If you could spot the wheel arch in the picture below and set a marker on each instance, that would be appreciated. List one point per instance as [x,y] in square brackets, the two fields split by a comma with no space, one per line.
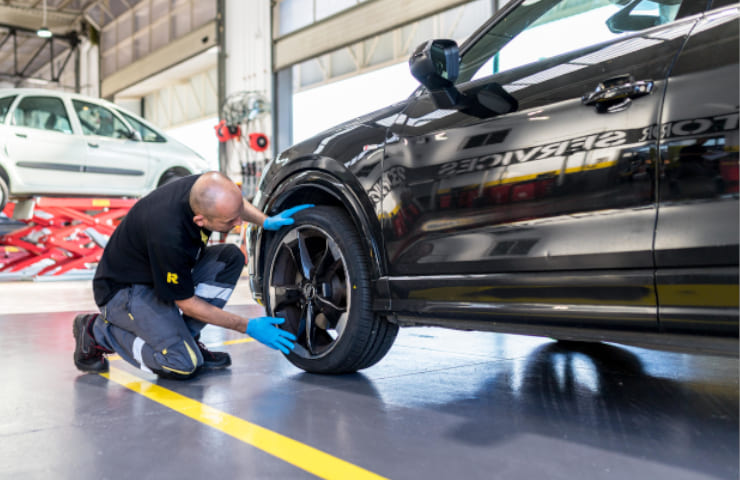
[323,188]
[4,175]
[176,171]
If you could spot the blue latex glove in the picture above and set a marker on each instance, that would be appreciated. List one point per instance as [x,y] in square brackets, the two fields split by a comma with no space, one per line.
[283,218]
[263,329]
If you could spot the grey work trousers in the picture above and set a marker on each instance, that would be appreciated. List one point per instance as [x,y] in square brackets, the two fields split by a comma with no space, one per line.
[154,335]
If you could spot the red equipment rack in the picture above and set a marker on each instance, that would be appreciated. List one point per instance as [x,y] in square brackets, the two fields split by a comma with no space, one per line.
[63,235]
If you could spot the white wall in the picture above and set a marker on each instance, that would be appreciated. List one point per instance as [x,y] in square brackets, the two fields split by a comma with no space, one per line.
[248,62]
[201,137]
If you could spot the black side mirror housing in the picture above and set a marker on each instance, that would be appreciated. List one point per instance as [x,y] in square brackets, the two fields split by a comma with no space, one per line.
[625,21]
[436,65]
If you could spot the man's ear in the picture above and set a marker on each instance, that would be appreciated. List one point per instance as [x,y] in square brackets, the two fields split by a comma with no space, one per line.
[199,220]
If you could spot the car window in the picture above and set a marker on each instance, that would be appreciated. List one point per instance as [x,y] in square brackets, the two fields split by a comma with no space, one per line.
[147,134]
[541,29]
[98,120]
[45,113]
[5,103]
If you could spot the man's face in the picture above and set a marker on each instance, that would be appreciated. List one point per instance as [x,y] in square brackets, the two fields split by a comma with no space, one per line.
[223,225]
[223,219]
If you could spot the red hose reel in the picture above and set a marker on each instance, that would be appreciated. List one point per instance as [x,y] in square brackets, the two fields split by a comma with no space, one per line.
[257,141]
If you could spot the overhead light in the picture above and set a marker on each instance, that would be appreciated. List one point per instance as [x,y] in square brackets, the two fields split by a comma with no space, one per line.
[44,32]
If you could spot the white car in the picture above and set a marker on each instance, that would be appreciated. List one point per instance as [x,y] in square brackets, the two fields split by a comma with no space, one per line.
[58,143]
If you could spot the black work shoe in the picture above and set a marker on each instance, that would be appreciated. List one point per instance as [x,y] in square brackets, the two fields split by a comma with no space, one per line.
[88,354]
[213,359]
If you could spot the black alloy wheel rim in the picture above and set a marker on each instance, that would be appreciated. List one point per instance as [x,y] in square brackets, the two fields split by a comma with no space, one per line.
[309,287]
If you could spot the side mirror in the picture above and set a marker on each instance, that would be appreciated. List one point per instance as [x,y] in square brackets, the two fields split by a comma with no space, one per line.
[625,21]
[436,65]
[130,134]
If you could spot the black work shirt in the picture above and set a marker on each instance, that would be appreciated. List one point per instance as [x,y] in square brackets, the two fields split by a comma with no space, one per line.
[156,244]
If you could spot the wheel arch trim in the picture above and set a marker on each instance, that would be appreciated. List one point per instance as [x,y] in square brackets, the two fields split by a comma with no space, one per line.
[368,226]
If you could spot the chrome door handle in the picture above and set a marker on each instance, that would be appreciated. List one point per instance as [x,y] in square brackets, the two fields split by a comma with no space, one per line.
[616,94]
[93,145]
[21,135]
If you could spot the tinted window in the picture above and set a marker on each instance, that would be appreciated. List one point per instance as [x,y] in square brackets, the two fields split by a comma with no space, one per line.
[147,134]
[98,120]
[45,113]
[5,106]
[541,29]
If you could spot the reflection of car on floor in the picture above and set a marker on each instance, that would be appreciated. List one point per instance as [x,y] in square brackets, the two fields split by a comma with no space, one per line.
[56,143]
[581,187]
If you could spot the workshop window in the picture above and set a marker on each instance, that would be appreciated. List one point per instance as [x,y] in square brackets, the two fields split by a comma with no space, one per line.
[293,15]
[44,113]
[149,25]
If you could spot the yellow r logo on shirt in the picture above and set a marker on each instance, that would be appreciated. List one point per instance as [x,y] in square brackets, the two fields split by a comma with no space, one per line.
[172,278]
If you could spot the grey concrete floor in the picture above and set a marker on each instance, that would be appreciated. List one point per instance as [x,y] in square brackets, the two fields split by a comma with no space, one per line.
[441,405]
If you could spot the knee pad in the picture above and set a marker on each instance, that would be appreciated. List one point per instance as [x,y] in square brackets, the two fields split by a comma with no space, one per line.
[178,358]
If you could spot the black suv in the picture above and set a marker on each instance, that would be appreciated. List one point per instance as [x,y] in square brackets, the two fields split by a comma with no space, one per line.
[571,171]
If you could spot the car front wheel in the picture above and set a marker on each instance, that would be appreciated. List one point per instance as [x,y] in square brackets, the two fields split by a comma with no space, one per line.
[317,278]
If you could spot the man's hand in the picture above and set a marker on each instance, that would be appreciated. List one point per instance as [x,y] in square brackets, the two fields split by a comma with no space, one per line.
[283,218]
[263,329]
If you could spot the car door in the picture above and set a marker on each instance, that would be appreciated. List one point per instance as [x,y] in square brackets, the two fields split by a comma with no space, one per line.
[42,149]
[546,213]
[117,162]
[696,243]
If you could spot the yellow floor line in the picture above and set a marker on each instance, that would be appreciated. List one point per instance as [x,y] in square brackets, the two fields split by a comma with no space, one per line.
[291,451]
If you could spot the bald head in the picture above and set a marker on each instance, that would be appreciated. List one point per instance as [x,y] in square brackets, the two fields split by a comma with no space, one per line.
[216,202]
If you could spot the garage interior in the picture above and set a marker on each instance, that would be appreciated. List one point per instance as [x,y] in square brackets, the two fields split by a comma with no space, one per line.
[442,404]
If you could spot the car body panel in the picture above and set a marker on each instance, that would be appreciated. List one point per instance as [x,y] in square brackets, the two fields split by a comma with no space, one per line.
[696,242]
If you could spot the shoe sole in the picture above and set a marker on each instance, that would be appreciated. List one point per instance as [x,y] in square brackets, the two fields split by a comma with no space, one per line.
[214,366]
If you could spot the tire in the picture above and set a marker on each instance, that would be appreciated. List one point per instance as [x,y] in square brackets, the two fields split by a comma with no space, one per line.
[310,267]
[4,192]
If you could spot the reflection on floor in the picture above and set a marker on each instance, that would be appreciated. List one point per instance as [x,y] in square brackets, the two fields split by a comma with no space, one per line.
[441,405]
